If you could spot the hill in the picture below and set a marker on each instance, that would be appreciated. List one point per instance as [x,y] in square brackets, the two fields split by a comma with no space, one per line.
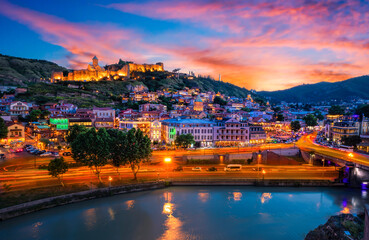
[357,87]
[20,71]
[16,71]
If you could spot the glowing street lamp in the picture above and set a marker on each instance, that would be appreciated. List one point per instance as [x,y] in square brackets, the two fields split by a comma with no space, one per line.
[263,174]
[351,155]
[110,179]
[167,160]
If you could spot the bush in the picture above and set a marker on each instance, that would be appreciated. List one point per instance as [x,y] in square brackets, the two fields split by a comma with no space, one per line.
[202,161]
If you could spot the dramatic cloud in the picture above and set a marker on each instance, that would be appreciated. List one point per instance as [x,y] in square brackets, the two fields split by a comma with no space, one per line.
[258,44]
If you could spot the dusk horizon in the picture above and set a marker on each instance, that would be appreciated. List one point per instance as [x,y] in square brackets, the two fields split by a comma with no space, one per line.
[261,45]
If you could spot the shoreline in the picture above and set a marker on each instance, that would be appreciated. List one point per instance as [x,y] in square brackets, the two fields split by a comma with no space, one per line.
[50,202]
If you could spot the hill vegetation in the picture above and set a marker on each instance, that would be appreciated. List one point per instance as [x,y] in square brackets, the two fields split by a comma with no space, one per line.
[357,87]
[16,71]
[23,72]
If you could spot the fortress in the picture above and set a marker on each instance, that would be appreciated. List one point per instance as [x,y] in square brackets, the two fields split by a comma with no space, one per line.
[95,73]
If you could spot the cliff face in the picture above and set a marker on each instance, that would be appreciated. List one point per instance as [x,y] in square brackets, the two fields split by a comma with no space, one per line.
[341,227]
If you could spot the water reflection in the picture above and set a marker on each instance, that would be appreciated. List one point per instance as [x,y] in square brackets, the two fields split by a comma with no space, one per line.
[111,213]
[36,229]
[130,204]
[173,225]
[265,197]
[236,196]
[204,197]
[90,217]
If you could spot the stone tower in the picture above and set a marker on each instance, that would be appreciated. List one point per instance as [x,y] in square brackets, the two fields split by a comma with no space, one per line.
[95,62]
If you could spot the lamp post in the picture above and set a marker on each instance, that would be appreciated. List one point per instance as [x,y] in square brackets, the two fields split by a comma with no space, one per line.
[263,174]
[110,179]
[167,160]
[258,161]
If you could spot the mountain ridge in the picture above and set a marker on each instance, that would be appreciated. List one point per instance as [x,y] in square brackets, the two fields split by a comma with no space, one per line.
[357,87]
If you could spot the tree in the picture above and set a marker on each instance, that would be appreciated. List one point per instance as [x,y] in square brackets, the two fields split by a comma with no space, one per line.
[351,140]
[184,140]
[118,145]
[138,150]
[57,167]
[319,115]
[34,115]
[363,110]
[45,114]
[295,126]
[280,117]
[336,110]
[310,120]
[220,101]
[3,129]
[74,132]
[92,149]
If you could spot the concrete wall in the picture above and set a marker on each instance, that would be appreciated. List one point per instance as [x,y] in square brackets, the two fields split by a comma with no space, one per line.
[288,152]
[366,226]
[240,156]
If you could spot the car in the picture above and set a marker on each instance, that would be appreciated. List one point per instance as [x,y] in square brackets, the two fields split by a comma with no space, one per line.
[40,152]
[67,153]
[55,154]
[178,169]
[45,154]
[19,150]
[196,169]
[212,169]
[2,156]
[6,146]
[257,169]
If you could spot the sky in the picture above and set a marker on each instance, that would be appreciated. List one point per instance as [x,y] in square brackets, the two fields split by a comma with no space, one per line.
[257,44]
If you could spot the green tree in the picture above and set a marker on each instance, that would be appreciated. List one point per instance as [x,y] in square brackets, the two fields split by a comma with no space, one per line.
[319,115]
[118,147]
[351,140]
[92,149]
[336,110]
[74,131]
[295,126]
[363,110]
[57,167]
[220,101]
[310,120]
[138,150]
[34,115]
[45,114]
[280,117]
[184,140]
[3,129]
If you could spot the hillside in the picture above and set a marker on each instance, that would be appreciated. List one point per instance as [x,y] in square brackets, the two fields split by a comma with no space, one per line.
[16,71]
[20,71]
[357,87]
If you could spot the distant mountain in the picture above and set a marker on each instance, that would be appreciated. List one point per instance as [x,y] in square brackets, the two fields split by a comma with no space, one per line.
[357,87]
[20,71]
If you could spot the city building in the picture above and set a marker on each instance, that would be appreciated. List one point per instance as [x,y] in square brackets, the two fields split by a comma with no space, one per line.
[19,109]
[231,133]
[202,130]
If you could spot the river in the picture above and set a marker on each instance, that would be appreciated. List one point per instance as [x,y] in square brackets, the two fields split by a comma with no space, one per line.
[227,212]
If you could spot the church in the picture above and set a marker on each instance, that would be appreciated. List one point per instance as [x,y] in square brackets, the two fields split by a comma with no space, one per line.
[95,73]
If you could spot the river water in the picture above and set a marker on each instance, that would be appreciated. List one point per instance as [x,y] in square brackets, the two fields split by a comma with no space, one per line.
[229,212]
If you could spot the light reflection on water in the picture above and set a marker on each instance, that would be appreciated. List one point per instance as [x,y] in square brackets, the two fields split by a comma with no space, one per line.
[191,213]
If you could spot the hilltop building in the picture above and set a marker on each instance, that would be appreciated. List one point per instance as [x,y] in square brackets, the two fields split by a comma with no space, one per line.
[95,73]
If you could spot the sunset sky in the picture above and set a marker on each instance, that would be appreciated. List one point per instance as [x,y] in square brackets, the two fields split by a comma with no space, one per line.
[262,45]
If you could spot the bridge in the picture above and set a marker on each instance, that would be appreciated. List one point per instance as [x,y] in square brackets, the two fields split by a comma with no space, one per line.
[355,165]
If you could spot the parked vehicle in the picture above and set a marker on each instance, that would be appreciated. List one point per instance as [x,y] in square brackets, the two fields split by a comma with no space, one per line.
[67,153]
[46,154]
[233,167]
[55,154]
[196,169]
[178,169]
[2,156]
[212,169]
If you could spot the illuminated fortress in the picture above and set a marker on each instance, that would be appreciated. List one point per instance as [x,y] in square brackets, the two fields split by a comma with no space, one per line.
[95,73]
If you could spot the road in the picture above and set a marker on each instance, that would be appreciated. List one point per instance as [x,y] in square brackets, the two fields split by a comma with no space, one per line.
[306,143]
[19,169]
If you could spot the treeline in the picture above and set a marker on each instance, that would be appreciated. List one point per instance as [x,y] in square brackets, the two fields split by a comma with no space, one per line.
[97,148]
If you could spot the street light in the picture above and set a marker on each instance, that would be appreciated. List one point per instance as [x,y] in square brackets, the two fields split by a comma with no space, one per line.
[351,155]
[263,174]
[167,160]
[110,179]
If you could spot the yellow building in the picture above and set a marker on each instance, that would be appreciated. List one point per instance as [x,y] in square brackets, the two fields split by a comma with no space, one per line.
[198,104]
[95,73]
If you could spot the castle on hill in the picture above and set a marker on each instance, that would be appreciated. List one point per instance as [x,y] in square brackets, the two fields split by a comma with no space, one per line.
[95,73]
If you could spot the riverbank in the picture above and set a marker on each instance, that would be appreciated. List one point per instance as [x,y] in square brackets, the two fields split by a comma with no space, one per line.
[49,202]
